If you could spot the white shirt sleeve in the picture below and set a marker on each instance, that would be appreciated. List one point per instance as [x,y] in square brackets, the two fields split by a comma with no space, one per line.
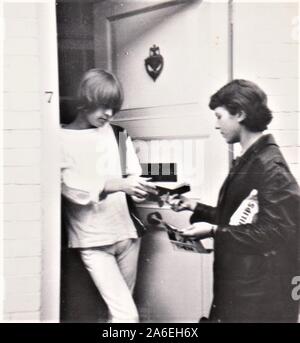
[133,166]
[72,185]
[83,183]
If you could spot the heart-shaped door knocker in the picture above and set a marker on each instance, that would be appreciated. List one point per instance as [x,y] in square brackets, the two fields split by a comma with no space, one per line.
[154,63]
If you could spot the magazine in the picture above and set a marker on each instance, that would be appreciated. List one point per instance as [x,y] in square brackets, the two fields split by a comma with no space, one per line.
[168,188]
[172,187]
[181,243]
[178,241]
[247,211]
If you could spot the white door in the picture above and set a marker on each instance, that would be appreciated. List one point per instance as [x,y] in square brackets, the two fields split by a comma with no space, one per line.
[170,118]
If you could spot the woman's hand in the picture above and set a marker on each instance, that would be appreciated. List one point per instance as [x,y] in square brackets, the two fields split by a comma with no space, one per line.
[198,231]
[180,203]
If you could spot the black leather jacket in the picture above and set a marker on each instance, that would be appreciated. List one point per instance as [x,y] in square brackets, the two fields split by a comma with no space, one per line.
[255,263]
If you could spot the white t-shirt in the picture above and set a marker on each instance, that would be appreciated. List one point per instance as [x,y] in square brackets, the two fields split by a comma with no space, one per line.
[89,158]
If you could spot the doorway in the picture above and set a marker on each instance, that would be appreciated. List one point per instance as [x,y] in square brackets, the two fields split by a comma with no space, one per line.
[173,107]
[79,301]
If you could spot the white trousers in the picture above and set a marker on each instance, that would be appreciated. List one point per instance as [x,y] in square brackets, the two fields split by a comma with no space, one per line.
[113,269]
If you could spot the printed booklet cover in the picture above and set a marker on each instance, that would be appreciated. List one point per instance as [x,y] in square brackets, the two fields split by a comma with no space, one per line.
[181,243]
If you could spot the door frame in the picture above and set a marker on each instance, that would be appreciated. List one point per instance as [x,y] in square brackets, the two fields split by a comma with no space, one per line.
[50,164]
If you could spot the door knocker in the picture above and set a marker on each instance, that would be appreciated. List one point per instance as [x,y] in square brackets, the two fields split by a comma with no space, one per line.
[154,62]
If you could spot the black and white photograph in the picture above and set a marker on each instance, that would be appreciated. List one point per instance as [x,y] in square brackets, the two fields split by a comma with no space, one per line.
[150,162]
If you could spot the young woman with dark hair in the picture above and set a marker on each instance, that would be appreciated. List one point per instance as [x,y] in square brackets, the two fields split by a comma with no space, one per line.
[255,259]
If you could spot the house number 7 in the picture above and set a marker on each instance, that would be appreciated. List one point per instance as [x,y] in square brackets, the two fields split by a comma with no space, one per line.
[50,95]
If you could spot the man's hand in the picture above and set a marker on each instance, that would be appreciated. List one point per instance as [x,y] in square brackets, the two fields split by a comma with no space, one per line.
[138,187]
[138,200]
[135,186]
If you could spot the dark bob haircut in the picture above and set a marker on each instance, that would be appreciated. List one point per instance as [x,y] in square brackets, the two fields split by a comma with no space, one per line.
[242,95]
[99,88]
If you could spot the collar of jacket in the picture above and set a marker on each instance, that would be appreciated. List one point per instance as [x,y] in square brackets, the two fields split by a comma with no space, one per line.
[239,162]
[255,148]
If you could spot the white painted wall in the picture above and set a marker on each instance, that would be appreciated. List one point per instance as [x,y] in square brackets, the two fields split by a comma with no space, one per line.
[22,156]
[29,169]
[266,51]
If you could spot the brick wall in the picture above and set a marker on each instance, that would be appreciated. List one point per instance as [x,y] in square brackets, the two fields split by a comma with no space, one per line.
[266,51]
[21,158]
